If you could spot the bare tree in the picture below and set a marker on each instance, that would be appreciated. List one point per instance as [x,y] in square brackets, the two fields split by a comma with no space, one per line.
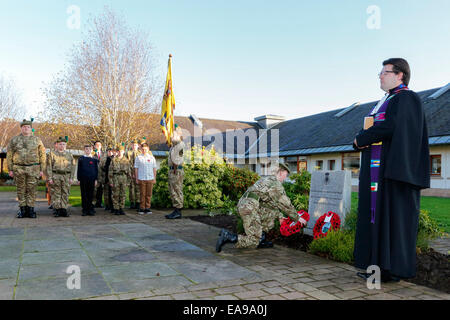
[108,86]
[11,110]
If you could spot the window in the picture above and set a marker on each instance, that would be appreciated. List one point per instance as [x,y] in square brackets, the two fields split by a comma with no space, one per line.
[331,165]
[350,161]
[302,165]
[435,161]
[319,164]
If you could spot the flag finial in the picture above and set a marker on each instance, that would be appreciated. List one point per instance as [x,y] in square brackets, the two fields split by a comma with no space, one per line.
[170,55]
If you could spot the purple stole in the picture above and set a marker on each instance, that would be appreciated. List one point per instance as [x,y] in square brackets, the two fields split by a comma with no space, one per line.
[375,156]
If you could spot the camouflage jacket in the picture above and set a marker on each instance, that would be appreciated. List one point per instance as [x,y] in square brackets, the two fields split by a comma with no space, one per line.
[26,150]
[270,193]
[176,153]
[131,156]
[102,170]
[60,163]
[119,166]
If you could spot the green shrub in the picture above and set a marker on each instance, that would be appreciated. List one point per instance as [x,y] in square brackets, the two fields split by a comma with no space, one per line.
[350,220]
[337,245]
[5,176]
[428,230]
[202,171]
[298,189]
[235,181]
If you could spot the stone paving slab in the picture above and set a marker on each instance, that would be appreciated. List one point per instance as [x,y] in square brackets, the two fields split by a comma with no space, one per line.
[150,257]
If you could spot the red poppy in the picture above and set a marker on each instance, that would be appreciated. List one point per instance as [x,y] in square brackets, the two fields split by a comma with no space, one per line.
[318,231]
[287,230]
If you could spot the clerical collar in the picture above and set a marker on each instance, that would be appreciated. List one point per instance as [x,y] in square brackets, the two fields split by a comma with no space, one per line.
[398,88]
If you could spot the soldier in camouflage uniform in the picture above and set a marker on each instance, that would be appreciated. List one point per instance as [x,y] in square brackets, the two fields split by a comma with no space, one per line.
[119,175]
[134,193]
[60,173]
[176,173]
[259,206]
[26,163]
[103,169]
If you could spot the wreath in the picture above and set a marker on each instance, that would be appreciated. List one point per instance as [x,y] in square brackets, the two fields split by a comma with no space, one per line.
[289,227]
[325,223]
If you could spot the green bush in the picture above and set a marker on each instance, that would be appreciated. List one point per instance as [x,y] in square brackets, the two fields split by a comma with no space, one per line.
[428,230]
[235,181]
[350,221]
[203,170]
[5,175]
[298,189]
[337,245]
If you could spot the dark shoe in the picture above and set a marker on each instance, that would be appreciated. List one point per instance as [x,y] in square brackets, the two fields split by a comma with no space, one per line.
[386,276]
[65,213]
[224,237]
[132,205]
[56,212]
[176,214]
[98,205]
[265,244]
[84,213]
[141,211]
[363,275]
[91,212]
[32,214]
[116,212]
[22,213]
[51,207]
[121,212]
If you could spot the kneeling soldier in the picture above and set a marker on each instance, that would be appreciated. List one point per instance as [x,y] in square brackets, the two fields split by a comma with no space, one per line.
[60,171]
[118,176]
[259,206]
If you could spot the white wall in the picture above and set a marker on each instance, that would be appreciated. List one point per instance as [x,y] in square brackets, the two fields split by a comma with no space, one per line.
[442,182]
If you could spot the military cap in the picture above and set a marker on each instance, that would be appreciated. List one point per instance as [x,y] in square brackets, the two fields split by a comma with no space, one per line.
[176,126]
[61,139]
[121,147]
[26,122]
[284,166]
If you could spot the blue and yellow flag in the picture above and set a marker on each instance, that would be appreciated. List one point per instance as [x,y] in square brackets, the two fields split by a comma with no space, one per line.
[168,106]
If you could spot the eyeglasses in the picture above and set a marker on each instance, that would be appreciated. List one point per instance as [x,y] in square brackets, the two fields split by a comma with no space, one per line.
[384,72]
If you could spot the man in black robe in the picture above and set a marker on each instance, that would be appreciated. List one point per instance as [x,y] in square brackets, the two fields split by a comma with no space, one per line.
[386,237]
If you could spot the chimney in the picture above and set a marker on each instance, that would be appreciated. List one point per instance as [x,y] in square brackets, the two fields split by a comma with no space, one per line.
[269,120]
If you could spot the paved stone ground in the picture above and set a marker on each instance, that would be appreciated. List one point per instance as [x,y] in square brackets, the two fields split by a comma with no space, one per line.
[150,257]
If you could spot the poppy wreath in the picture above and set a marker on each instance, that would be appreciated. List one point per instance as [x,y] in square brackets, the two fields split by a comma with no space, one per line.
[321,228]
[287,230]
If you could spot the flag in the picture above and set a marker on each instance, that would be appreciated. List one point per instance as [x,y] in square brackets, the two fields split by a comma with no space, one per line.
[168,106]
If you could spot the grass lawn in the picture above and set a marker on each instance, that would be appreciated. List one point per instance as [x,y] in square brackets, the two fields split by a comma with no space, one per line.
[439,209]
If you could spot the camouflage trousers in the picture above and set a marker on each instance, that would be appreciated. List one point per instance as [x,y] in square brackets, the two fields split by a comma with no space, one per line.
[176,187]
[256,218]
[26,179]
[106,195]
[134,192]
[119,191]
[59,191]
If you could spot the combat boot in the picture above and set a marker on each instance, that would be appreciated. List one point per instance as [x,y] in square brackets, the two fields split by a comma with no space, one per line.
[121,212]
[116,212]
[263,243]
[224,237]
[64,212]
[22,213]
[31,214]
[132,205]
[56,212]
[176,214]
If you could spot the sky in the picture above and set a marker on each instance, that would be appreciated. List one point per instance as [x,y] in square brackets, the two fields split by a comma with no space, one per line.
[237,60]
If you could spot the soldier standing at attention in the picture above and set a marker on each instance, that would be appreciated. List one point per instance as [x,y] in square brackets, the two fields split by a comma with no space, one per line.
[47,186]
[98,189]
[60,170]
[134,194]
[176,173]
[87,175]
[258,207]
[26,164]
[118,175]
[103,170]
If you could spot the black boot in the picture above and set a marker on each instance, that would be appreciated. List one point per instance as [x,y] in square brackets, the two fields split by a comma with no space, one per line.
[22,213]
[176,214]
[263,243]
[65,213]
[121,212]
[31,213]
[116,212]
[224,237]
[56,212]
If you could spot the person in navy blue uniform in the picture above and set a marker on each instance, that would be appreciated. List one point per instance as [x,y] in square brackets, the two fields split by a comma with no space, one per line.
[87,174]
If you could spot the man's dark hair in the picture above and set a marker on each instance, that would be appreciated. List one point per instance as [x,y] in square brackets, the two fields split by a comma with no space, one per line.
[145,144]
[400,65]
[96,142]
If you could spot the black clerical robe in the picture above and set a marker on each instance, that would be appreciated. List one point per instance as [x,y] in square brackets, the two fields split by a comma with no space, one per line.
[390,242]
